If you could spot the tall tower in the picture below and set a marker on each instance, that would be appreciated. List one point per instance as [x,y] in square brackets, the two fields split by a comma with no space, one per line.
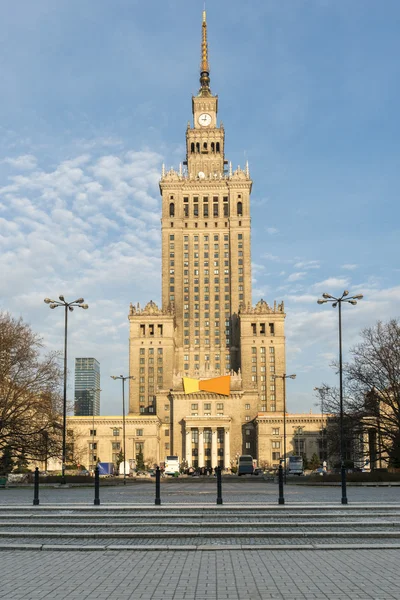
[206,326]
[87,387]
[206,262]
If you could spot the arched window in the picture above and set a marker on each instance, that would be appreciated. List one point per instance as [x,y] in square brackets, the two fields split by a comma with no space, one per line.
[239,209]
[192,147]
[172,209]
[197,147]
[205,146]
[217,146]
[212,147]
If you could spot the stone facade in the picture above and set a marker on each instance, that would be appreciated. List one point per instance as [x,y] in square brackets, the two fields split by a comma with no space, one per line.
[206,326]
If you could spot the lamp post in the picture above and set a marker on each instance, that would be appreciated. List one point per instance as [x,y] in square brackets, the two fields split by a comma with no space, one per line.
[93,391]
[80,303]
[322,391]
[123,379]
[284,377]
[338,302]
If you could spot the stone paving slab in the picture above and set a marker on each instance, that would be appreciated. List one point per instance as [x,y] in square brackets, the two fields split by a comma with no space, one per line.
[209,575]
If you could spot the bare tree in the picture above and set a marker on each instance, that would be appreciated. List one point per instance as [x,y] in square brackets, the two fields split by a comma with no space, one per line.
[373,380]
[30,399]
[371,393]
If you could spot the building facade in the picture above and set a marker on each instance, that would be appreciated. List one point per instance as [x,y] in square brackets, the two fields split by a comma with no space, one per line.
[206,326]
[87,387]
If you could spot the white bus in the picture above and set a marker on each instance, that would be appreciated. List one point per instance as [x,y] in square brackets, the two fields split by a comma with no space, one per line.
[171,465]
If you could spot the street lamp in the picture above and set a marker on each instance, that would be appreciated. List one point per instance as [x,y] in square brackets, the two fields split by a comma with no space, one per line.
[284,377]
[338,302]
[123,379]
[93,391]
[322,391]
[80,303]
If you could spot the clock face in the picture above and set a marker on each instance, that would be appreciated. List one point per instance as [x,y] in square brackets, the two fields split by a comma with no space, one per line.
[201,175]
[205,119]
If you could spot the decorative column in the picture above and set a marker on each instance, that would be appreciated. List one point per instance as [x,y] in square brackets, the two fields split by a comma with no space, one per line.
[214,442]
[188,446]
[201,447]
[227,449]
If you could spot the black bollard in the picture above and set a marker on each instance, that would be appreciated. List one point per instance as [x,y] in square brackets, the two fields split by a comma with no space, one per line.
[96,487]
[280,482]
[219,486]
[343,478]
[158,497]
[36,488]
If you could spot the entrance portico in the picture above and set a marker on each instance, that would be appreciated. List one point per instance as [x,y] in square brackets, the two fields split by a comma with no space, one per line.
[207,441]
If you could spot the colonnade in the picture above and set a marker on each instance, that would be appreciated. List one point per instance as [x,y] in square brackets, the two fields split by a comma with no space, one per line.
[201,458]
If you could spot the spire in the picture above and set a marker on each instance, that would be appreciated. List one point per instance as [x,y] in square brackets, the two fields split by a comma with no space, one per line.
[204,67]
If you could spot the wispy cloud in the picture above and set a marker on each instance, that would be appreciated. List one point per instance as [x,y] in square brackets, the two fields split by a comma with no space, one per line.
[308,264]
[349,267]
[296,276]
[331,283]
[25,162]
[272,230]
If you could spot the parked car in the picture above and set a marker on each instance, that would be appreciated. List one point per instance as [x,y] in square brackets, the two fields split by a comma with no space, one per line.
[319,471]
[258,471]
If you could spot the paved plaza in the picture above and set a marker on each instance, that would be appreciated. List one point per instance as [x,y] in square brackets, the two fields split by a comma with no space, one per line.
[179,575]
[183,491]
[321,569]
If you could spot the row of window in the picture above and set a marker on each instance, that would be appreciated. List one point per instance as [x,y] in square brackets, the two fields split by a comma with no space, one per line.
[214,210]
[115,432]
[206,238]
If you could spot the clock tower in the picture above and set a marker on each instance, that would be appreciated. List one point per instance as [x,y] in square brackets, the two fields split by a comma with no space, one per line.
[205,140]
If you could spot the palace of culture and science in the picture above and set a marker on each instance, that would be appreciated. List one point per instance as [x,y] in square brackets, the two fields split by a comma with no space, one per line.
[206,333]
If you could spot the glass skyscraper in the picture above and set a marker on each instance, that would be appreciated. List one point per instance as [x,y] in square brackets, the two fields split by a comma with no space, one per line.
[87,387]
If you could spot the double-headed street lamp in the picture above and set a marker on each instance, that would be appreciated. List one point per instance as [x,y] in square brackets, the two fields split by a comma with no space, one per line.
[123,379]
[284,377]
[80,303]
[338,302]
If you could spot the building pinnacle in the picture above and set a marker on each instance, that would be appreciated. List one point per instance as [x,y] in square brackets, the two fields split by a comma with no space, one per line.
[204,67]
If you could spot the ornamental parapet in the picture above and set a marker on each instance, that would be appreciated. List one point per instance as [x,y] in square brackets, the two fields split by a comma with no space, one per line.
[262,308]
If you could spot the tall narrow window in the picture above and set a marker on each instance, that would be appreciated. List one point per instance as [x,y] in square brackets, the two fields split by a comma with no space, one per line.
[172,209]
[239,209]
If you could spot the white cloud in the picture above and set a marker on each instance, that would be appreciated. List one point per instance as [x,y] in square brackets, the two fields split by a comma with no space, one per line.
[328,285]
[308,264]
[296,276]
[349,267]
[272,230]
[25,162]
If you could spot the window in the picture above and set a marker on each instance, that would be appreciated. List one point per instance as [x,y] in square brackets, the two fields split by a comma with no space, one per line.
[247,418]
[275,431]
[116,445]
[92,432]
[93,446]
[207,406]
[220,406]
[276,444]
[115,431]
[167,433]
[139,432]
[248,431]
[247,406]
[195,406]
[276,455]
[248,445]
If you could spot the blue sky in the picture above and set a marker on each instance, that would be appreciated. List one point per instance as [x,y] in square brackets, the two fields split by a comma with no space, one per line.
[97,95]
